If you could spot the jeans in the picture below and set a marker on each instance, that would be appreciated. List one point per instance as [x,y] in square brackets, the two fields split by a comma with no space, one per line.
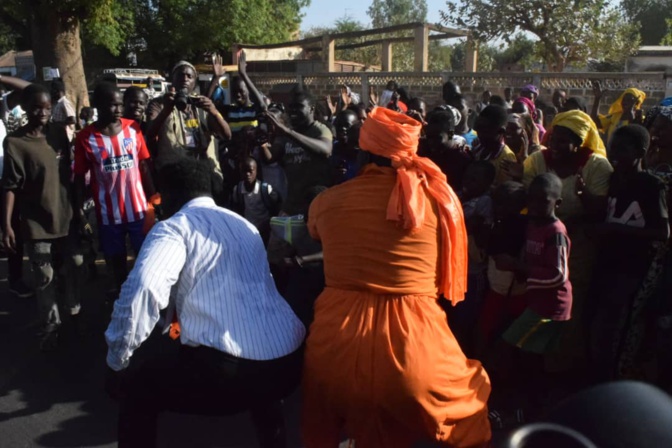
[58,257]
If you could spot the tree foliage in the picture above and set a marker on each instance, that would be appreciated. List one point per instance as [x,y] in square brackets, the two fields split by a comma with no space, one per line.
[568,31]
[174,29]
[369,56]
[385,13]
[651,15]
[397,12]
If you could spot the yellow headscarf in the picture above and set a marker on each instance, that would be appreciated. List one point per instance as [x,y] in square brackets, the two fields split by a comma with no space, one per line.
[617,109]
[582,125]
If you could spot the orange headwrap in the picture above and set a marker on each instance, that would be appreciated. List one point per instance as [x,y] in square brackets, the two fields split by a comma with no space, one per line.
[395,136]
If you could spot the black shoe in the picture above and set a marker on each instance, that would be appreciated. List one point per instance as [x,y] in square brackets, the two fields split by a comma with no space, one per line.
[21,290]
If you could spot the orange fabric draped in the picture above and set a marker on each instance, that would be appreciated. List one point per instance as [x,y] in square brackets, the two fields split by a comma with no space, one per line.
[381,363]
[395,136]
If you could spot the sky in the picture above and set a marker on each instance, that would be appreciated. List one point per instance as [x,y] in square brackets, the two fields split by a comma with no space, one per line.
[325,12]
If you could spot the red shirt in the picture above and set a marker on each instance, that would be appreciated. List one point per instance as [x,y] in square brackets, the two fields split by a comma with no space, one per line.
[549,291]
[114,163]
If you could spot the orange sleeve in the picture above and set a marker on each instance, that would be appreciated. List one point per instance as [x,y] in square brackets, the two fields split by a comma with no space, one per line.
[313,215]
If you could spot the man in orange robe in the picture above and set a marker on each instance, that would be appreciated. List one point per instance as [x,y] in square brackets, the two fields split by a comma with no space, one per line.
[381,363]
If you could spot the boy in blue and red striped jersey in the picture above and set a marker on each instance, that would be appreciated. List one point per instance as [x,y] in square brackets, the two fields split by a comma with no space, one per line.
[114,150]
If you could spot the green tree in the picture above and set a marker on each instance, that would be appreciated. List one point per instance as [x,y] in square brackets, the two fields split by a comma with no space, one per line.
[185,29]
[520,50]
[366,55]
[52,29]
[159,32]
[567,31]
[667,39]
[651,16]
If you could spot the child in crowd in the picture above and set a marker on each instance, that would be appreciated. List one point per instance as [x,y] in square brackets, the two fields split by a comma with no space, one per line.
[490,145]
[632,248]
[36,178]
[346,147]
[548,294]
[478,216]
[135,105]
[504,301]
[255,200]
[544,268]
[271,171]
[114,150]
[443,147]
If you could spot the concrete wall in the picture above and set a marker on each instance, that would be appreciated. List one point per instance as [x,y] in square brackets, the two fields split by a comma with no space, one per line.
[429,85]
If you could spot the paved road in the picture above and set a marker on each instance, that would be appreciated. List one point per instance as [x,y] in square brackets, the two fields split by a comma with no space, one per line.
[57,399]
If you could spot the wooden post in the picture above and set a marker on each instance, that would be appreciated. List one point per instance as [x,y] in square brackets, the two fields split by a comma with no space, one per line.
[472,55]
[235,50]
[387,56]
[328,54]
[421,48]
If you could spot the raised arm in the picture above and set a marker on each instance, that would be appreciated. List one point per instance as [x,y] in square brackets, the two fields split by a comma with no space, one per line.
[242,72]
[13,82]
[216,123]
[218,71]
[594,113]
[144,294]
[321,146]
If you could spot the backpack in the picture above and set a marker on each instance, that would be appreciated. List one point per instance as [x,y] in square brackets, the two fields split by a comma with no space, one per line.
[271,206]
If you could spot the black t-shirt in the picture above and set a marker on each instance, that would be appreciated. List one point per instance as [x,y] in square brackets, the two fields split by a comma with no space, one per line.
[37,170]
[639,202]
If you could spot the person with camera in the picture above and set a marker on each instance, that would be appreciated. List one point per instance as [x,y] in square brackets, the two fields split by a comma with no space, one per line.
[185,123]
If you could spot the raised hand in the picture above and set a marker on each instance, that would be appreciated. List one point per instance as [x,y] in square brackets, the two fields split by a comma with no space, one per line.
[373,96]
[217,65]
[330,105]
[242,63]
[597,89]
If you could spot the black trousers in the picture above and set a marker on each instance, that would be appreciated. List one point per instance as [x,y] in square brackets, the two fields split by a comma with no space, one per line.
[205,381]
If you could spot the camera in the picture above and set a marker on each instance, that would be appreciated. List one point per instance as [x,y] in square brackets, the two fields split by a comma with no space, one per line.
[183,99]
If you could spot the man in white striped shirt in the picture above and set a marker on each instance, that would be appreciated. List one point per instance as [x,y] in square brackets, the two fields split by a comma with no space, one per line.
[241,344]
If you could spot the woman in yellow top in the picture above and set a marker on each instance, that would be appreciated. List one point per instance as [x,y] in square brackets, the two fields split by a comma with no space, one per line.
[627,109]
[577,155]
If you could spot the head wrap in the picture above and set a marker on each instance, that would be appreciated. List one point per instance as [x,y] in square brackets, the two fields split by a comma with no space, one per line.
[582,125]
[457,116]
[617,108]
[667,101]
[395,136]
[529,103]
[530,88]
[515,118]
[182,64]
[666,111]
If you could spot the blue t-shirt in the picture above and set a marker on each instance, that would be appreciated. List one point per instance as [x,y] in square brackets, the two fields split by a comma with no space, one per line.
[470,137]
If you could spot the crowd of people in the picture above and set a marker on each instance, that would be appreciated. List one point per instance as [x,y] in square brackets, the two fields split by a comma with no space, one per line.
[383,255]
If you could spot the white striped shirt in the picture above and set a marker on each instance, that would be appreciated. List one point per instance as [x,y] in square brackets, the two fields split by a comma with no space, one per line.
[224,293]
